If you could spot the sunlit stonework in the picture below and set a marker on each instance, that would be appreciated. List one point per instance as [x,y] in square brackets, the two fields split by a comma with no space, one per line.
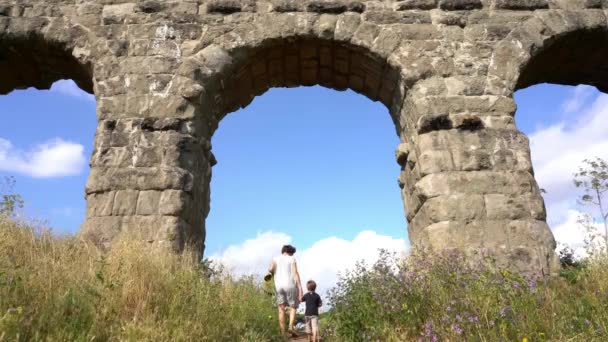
[166,72]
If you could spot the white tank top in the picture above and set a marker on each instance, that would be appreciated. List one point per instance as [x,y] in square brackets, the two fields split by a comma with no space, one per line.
[284,278]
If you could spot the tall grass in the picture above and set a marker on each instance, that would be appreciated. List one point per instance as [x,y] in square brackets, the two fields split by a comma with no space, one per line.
[61,289]
[448,298]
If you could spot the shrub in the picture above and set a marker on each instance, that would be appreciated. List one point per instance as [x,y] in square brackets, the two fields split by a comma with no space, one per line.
[446,297]
[61,289]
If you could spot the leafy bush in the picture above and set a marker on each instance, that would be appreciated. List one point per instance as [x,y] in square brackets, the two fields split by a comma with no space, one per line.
[446,297]
[61,289]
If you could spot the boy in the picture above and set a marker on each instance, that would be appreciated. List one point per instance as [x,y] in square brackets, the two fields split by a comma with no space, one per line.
[313,303]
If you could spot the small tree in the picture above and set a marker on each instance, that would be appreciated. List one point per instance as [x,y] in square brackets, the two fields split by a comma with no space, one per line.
[592,177]
[9,202]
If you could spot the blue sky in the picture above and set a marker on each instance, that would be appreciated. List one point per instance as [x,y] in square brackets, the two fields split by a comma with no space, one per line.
[310,166]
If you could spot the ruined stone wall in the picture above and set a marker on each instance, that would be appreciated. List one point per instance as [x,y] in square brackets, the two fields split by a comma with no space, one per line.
[166,72]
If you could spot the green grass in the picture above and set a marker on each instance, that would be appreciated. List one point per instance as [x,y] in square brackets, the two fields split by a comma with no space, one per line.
[61,289]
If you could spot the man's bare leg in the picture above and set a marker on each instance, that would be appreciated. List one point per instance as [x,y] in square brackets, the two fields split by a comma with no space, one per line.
[282,318]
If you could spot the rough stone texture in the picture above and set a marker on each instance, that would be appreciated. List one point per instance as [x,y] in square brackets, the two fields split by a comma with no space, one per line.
[166,72]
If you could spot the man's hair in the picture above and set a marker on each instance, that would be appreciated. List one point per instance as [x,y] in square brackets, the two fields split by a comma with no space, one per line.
[311,285]
[289,249]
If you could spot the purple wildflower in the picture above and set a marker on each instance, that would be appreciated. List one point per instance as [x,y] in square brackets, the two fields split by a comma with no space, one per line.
[428,329]
[456,328]
[505,311]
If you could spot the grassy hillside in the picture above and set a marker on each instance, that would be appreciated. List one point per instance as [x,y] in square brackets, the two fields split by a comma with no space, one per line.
[59,289]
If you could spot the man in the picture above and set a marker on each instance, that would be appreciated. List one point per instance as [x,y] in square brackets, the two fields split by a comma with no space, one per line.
[287,284]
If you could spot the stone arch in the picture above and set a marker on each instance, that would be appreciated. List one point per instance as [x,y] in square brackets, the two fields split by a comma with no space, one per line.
[38,52]
[573,58]
[305,50]
[562,47]
[229,75]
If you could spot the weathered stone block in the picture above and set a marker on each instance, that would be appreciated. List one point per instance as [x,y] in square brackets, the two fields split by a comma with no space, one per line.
[458,207]
[335,7]
[108,179]
[116,14]
[172,202]
[401,153]
[522,4]
[125,202]
[434,161]
[453,5]
[476,182]
[224,6]
[147,203]
[100,204]
[286,5]
[415,4]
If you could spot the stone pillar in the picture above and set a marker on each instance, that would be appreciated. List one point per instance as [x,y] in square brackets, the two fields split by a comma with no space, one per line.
[467,177]
[150,167]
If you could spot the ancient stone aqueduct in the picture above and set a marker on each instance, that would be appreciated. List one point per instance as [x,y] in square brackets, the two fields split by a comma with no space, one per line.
[166,72]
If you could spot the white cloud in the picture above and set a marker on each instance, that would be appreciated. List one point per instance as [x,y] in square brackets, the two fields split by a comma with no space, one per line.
[252,256]
[321,262]
[579,98]
[55,158]
[572,234]
[558,151]
[69,88]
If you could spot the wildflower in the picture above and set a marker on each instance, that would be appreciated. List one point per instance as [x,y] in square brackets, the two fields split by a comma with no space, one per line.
[531,284]
[473,319]
[456,328]
[491,323]
[428,329]
[525,339]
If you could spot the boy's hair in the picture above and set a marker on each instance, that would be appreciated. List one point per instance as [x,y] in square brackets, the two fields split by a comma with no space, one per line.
[311,285]
[289,249]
